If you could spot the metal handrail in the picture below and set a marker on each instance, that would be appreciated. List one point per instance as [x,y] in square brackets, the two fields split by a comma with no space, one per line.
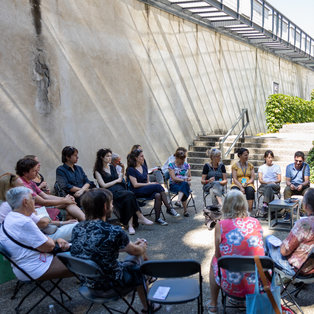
[243,114]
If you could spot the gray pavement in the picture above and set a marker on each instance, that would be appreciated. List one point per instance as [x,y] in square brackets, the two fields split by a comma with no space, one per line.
[183,238]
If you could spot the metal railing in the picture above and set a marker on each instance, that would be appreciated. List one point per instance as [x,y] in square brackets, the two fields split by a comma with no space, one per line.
[244,114]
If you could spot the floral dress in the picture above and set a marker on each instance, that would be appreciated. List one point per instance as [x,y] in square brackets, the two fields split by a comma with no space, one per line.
[239,236]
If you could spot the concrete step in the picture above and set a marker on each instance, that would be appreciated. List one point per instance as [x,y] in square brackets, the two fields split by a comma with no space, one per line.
[198,160]
[299,127]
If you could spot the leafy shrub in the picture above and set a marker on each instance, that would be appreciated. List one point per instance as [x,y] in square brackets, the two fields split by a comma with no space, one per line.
[312,95]
[282,109]
[310,161]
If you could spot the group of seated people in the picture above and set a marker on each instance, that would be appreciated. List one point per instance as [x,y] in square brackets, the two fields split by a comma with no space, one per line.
[214,178]
[92,237]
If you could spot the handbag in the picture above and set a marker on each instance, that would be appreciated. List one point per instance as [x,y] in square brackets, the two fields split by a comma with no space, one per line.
[262,303]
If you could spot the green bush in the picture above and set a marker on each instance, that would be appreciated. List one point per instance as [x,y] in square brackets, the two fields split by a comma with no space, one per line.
[312,95]
[282,109]
[310,161]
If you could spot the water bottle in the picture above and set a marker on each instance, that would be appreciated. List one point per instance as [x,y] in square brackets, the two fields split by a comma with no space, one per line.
[51,309]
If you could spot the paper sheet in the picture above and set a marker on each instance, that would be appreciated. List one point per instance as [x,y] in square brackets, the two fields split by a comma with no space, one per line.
[161,293]
[274,241]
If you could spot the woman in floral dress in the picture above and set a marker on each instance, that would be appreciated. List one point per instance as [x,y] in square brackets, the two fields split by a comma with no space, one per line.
[235,234]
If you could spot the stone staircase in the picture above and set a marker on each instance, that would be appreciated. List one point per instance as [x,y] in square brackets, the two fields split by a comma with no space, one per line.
[291,138]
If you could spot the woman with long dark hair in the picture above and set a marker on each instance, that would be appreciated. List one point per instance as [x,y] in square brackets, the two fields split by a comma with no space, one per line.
[139,182]
[123,200]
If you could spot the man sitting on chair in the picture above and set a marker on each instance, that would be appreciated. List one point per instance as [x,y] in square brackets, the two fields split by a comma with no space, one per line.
[297,176]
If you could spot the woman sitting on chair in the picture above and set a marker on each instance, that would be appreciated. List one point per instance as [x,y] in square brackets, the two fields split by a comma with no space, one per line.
[180,179]
[214,176]
[269,176]
[98,240]
[235,234]
[155,175]
[124,201]
[139,183]
[243,177]
[39,180]
[294,250]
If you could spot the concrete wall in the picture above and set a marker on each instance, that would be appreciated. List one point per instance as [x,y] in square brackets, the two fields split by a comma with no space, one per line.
[94,73]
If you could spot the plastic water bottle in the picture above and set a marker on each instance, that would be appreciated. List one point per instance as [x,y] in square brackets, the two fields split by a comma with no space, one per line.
[51,309]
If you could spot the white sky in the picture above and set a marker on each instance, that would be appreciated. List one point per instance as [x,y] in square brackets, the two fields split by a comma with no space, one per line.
[300,12]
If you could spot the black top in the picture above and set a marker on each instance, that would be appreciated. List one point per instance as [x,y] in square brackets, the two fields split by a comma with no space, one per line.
[67,178]
[101,242]
[113,175]
[210,171]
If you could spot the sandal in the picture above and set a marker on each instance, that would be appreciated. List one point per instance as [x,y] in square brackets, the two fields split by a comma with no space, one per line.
[156,308]
[212,309]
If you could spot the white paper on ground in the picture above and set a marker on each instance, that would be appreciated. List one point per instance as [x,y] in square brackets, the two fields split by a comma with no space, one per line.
[161,293]
[274,240]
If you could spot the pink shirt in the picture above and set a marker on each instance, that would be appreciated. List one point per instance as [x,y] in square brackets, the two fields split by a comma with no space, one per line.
[32,185]
[299,244]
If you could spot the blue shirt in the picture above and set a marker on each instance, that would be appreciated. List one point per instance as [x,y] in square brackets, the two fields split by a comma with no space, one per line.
[67,178]
[295,175]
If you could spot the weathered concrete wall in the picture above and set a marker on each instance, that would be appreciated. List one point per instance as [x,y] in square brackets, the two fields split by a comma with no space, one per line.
[94,73]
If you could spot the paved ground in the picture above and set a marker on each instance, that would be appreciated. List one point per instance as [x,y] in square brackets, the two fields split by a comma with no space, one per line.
[182,238]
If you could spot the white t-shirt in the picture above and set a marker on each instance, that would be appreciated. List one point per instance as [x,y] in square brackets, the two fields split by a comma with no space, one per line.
[270,173]
[5,208]
[23,229]
[164,168]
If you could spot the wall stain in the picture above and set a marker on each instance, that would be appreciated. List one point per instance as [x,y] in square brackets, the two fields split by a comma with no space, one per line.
[35,9]
[40,68]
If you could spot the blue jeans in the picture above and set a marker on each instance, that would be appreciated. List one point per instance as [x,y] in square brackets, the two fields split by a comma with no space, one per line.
[280,261]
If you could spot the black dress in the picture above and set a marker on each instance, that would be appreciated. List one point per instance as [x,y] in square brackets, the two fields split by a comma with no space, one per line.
[123,200]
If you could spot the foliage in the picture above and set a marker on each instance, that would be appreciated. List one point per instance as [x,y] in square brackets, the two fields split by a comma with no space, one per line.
[312,95]
[282,109]
[310,161]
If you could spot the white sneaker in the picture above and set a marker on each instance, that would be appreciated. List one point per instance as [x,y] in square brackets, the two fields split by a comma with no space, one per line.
[161,222]
[171,211]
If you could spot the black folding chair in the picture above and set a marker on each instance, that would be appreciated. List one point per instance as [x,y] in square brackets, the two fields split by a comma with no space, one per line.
[182,289]
[240,264]
[142,202]
[207,193]
[90,270]
[172,195]
[38,284]
[297,279]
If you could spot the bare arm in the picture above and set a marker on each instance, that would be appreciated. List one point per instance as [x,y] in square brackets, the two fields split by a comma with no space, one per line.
[135,184]
[235,179]
[173,176]
[43,222]
[224,180]
[44,199]
[217,240]
[136,249]
[102,183]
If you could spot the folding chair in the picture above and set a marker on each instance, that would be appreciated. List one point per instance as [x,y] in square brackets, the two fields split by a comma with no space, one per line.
[90,270]
[142,202]
[172,195]
[38,284]
[206,194]
[259,195]
[297,279]
[240,264]
[182,290]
